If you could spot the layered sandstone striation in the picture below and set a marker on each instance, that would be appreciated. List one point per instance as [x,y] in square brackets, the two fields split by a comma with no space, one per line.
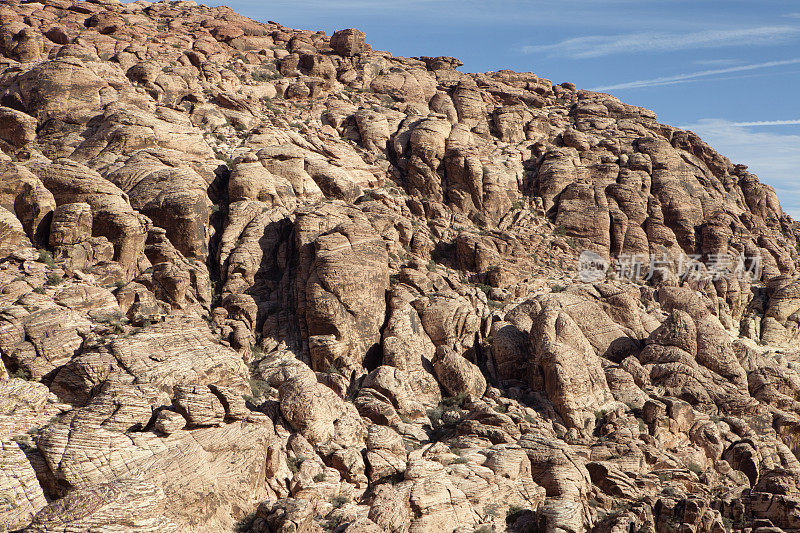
[254,278]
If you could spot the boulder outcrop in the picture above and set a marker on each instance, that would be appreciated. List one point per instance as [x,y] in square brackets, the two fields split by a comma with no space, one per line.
[259,279]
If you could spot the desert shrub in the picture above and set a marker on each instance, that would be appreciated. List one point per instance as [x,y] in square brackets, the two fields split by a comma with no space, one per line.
[46,258]
[339,501]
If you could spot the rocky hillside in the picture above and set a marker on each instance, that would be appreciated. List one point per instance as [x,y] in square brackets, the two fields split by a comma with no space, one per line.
[262,279]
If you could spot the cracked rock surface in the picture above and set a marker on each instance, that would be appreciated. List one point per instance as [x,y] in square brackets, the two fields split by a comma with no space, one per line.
[256,278]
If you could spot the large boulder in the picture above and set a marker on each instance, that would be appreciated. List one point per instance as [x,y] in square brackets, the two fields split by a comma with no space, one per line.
[566,482]
[22,497]
[65,89]
[342,282]
[781,322]
[316,412]
[172,196]
[181,350]
[573,376]
[349,42]
[18,129]
[113,216]
[12,234]
[40,342]
[457,375]
[101,454]
[23,194]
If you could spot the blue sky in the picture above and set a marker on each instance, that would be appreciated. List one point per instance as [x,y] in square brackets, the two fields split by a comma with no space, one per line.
[727,69]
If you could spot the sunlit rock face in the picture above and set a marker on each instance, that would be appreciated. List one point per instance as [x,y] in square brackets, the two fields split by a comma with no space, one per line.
[254,278]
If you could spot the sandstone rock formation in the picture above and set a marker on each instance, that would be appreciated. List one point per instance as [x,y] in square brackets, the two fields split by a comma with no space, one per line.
[255,278]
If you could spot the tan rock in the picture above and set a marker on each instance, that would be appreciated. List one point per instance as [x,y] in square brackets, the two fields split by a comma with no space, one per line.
[348,42]
[22,496]
[18,128]
[24,195]
[168,422]
[64,89]
[573,377]
[565,480]
[435,501]
[133,505]
[42,341]
[186,466]
[25,406]
[198,405]
[178,351]
[114,218]
[318,413]
[390,245]
[457,375]
[342,285]
[12,234]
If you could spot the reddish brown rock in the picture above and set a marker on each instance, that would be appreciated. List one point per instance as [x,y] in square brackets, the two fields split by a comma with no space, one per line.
[349,42]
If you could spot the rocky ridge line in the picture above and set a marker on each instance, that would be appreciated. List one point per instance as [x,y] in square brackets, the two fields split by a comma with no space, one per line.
[263,279]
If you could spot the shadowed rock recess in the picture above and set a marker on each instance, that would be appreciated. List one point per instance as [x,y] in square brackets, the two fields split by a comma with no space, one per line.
[261,279]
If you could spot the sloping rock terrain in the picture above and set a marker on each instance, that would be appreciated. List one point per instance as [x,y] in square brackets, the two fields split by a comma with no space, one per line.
[261,279]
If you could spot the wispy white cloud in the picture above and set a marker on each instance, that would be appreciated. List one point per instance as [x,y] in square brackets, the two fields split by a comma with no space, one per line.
[691,76]
[543,12]
[769,123]
[603,45]
[716,62]
[774,157]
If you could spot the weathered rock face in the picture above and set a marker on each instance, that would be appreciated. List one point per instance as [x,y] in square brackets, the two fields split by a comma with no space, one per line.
[457,375]
[342,283]
[37,343]
[71,237]
[572,373]
[694,337]
[781,322]
[566,483]
[24,195]
[113,216]
[178,351]
[12,234]
[173,197]
[348,42]
[142,476]
[318,414]
[261,279]
[22,495]
[25,404]
[19,129]
[132,505]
